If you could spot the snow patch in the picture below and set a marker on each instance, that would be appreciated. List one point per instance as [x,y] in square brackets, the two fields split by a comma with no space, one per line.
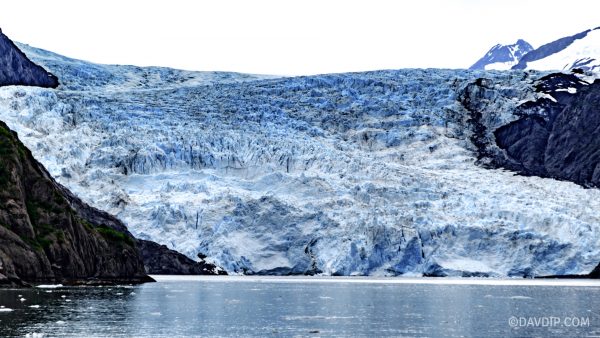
[582,53]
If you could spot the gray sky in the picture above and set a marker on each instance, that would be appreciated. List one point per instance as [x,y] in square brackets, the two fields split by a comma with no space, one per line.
[290,37]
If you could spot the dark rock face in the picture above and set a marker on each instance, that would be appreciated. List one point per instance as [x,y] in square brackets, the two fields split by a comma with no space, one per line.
[17,69]
[480,100]
[553,136]
[525,141]
[549,49]
[595,273]
[573,150]
[503,53]
[563,141]
[49,235]
[160,260]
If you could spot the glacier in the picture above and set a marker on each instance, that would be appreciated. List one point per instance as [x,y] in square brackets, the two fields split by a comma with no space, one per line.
[370,173]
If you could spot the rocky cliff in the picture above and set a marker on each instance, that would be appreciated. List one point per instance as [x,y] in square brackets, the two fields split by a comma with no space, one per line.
[160,260]
[17,69]
[49,235]
[595,273]
[555,136]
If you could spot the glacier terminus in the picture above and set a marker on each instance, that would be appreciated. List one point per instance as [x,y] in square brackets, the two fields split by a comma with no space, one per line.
[372,173]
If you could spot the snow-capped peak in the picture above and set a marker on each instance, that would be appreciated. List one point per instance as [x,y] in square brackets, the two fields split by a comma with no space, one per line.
[502,57]
[580,51]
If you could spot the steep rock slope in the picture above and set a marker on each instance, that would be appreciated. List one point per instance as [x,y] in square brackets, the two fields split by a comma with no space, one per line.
[363,173]
[573,150]
[503,57]
[595,273]
[48,235]
[579,51]
[17,69]
[554,136]
[160,260]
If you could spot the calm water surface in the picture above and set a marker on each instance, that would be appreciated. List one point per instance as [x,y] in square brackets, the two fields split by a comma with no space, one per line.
[306,307]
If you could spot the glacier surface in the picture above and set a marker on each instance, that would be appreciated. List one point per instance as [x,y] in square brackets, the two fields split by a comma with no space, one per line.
[346,174]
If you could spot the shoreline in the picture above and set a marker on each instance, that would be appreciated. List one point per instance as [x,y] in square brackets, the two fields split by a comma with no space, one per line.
[588,282]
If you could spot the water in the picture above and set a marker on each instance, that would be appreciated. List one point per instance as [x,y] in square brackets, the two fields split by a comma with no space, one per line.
[307,307]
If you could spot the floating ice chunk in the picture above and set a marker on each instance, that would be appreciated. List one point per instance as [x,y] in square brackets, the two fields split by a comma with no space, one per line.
[60,322]
[5,309]
[155,314]
[49,286]
[34,335]
[22,299]
[520,297]
[302,318]
[34,306]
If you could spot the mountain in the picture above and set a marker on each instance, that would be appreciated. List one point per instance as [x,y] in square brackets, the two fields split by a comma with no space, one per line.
[375,173]
[580,51]
[49,235]
[17,69]
[502,57]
